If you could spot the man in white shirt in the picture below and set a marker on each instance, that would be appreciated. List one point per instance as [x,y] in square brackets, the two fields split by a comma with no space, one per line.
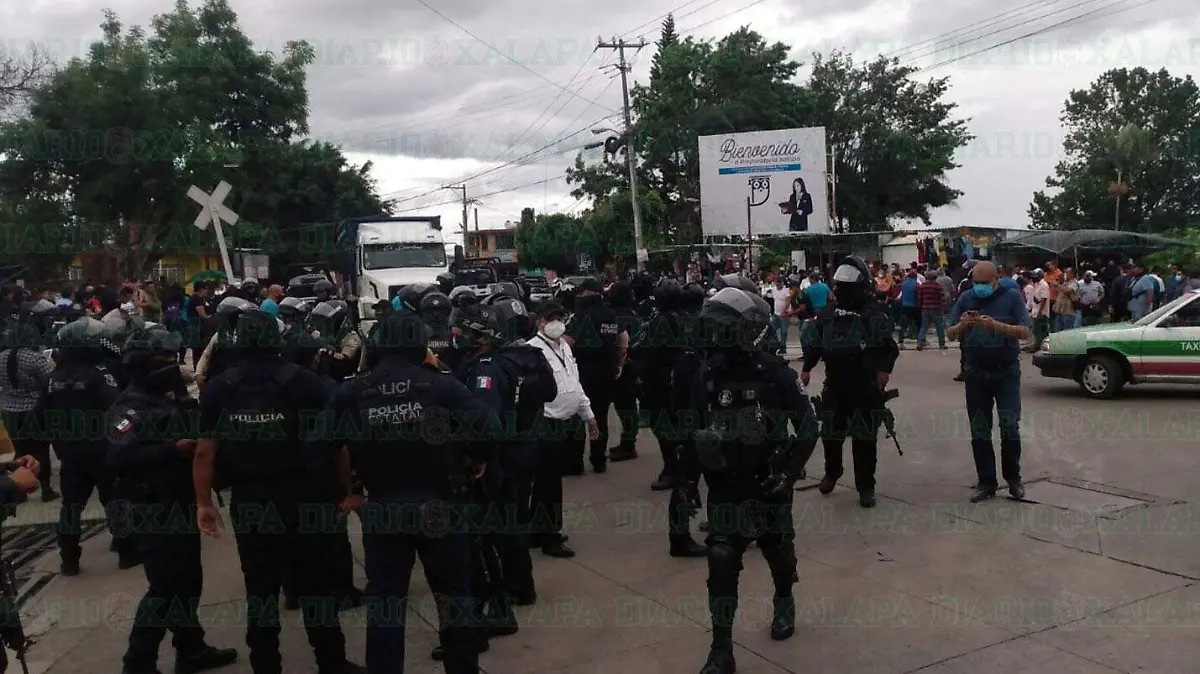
[1038,303]
[781,299]
[565,417]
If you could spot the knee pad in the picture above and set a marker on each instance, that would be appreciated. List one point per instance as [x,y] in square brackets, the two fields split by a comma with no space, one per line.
[724,559]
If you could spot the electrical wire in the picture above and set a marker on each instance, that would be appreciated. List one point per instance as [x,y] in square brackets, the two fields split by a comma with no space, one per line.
[970,28]
[1087,16]
[479,196]
[480,40]
[719,18]
[942,48]
[659,19]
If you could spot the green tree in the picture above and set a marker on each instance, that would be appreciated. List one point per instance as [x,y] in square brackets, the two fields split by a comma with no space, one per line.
[610,227]
[552,240]
[1138,124]
[113,141]
[894,139]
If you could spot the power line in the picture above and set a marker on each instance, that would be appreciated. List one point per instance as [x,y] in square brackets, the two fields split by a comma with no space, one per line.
[1087,16]
[723,16]
[969,28]
[480,40]
[514,161]
[658,19]
[481,196]
[938,48]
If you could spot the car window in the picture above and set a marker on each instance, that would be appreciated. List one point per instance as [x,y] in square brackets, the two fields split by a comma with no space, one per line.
[1189,316]
[1165,309]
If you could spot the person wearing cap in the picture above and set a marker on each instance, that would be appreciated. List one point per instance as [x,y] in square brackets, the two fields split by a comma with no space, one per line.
[1142,292]
[562,444]
[600,342]
[1038,306]
[1091,299]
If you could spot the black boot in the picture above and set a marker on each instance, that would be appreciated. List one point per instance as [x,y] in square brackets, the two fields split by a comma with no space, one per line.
[69,567]
[439,652]
[866,499]
[345,667]
[622,452]
[208,658]
[783,624]
[599,463]
[828,482]
[128,559]
[664,482]
[48,494]
[683,545]
[720,661]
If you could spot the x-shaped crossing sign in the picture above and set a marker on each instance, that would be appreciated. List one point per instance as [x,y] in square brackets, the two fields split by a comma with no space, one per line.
[214,211]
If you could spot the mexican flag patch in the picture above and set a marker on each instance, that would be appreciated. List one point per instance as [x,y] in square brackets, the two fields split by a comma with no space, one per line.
[482,383]
[125,426]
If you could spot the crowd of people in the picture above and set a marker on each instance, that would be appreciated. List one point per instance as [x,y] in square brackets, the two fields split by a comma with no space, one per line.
[449,426]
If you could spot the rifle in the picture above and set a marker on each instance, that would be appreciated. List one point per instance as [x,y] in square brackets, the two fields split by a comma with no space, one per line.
[886,415]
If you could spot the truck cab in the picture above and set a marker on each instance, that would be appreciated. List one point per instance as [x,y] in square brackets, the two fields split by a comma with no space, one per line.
[384,253]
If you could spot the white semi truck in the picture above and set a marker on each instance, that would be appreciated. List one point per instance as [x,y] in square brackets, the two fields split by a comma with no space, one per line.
[381,254]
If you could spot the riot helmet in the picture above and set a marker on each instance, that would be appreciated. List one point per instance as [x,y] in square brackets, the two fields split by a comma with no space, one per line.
[293,309]
[735,318]
[668,295]
[400,334]
[323,290]
[620,295]
[250,286]
[322,319]
[151,358]
[81,340]
[736,281]
[234,306]
[501,291]
[852,285]
[258,332]
[445,282]
[462,296]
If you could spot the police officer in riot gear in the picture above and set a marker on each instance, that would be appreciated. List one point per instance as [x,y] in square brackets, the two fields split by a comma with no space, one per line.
[693,298]
[745,398]
[255,415]
[435,311]
[855,339]
[345,344]
[503,565]
[293,310]
[655,353]
[219,355]
[395,426]
[600,345]
[625,391]
[154,467]
[81,390]
[248,290]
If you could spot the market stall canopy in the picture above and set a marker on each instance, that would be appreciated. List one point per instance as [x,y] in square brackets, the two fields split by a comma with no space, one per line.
[1090,241]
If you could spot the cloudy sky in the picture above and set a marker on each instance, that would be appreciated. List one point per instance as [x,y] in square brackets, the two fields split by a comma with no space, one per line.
[429,104]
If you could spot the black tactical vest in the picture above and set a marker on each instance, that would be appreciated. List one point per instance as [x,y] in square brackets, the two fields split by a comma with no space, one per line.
[401,442]
[259,439]
[743,414]
[74,417]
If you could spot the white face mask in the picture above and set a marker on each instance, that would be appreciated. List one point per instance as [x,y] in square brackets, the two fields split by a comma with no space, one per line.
[554,329]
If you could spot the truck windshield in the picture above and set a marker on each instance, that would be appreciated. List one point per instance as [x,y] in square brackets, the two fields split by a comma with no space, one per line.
[398,255]
[472,277]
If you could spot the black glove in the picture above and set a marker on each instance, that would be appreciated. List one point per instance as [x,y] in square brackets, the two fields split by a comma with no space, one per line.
[779,485]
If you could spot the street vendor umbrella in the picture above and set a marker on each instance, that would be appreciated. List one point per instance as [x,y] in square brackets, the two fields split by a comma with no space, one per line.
[207,275]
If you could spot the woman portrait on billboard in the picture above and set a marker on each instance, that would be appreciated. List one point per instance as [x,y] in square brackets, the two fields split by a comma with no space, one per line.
[798,207]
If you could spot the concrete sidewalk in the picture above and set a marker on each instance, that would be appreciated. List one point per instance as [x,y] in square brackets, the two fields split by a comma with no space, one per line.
[1093,579]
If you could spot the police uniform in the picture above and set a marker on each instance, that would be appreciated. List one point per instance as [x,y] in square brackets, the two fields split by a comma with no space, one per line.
[155,473]
[80,391]
[625,398]
[855,339]
[256,415]
[657,348]
[745,398]
[594,331]
[396,422]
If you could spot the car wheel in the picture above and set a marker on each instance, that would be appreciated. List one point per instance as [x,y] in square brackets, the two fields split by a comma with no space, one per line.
[1101,377]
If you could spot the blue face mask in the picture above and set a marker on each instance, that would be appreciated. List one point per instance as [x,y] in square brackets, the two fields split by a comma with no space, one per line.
[983,290]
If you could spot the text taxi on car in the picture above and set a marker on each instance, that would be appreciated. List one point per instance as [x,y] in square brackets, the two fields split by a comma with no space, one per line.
[1163,347]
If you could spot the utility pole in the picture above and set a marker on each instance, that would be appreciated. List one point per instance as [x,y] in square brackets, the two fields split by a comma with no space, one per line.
[621,45]
[466,203]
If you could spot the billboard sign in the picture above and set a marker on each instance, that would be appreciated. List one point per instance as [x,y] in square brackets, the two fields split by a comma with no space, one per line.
[782,172]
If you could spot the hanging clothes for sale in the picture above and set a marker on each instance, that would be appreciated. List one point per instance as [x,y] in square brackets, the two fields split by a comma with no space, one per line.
[920,253]
[968,248]
[942,257]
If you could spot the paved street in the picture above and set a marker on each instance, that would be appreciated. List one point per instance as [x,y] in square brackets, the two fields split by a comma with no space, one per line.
[1098,576]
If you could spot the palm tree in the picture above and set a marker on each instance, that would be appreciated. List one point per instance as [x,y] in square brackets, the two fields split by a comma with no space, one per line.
[1130,148]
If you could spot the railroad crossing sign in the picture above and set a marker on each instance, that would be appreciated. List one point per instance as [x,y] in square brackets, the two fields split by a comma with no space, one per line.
[213,211]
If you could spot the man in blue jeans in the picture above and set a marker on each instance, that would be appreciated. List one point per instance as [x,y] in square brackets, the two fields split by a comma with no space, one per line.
[991,321]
